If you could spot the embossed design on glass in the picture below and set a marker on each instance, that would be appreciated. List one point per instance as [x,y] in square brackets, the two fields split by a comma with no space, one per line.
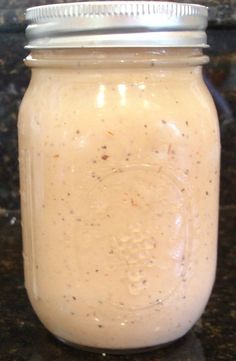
[146,230]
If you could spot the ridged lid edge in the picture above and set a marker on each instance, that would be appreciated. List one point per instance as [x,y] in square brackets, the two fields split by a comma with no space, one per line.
[39,14]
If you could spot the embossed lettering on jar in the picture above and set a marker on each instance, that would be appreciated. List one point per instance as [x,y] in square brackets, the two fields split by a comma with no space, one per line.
[119,166]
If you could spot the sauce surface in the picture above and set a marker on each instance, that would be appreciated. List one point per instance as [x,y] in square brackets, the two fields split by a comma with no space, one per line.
[119,188]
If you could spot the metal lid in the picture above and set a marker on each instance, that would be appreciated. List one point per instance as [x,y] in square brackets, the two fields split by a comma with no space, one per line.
[117,24]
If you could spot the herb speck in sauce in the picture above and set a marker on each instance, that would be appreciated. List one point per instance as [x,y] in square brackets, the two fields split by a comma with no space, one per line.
[105,156]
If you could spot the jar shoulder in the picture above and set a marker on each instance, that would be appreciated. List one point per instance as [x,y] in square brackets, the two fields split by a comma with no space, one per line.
[120,102]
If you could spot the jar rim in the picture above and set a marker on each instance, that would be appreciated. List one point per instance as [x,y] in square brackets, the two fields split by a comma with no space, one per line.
[116,24]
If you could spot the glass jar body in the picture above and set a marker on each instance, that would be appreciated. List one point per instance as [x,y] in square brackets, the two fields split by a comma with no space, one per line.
[119,172]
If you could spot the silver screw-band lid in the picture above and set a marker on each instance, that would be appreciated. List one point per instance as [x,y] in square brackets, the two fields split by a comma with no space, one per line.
[117,24]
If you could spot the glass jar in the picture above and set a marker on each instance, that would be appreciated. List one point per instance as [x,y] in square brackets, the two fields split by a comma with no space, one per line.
[119,171]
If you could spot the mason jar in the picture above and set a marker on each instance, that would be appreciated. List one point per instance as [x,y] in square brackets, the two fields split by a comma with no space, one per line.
[119,172]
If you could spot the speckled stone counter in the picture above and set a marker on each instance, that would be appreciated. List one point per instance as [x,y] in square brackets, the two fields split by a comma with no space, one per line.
[23,338]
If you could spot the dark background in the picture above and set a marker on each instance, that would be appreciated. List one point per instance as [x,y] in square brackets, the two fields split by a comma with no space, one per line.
[22,337]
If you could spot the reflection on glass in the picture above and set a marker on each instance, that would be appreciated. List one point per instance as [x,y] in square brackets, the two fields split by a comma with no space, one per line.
[174,128]
[122,92]
[188,348]
[101,96]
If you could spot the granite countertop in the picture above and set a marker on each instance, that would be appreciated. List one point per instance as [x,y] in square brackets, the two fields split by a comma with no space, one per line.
[23,338]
